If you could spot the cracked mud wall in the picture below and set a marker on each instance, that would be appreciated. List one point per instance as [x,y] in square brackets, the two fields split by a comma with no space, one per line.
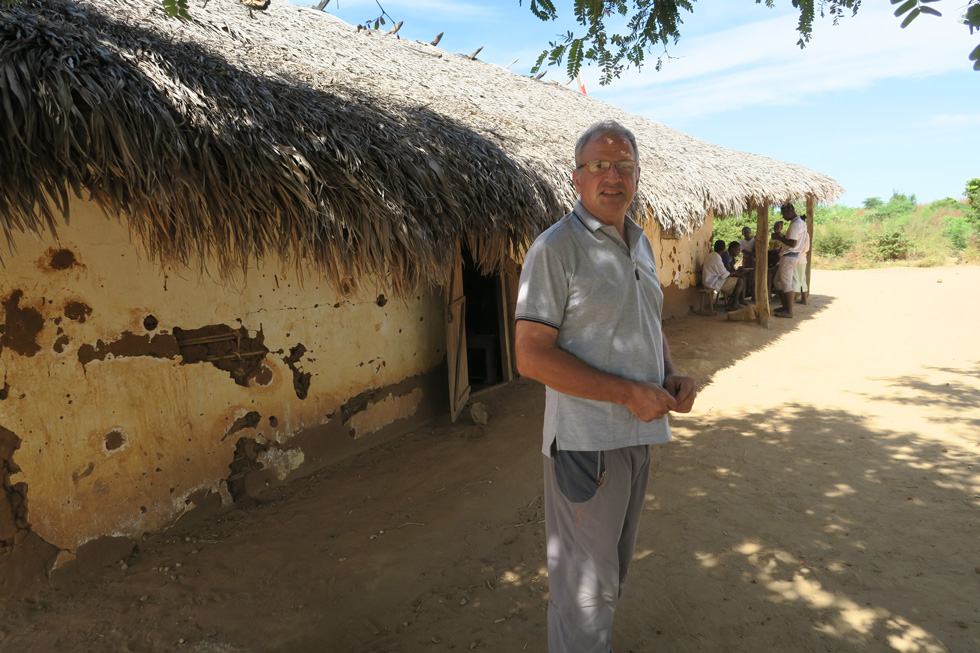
[131,388]
[678,262]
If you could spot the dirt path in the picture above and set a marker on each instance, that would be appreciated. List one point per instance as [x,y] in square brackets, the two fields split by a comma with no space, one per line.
[824,496]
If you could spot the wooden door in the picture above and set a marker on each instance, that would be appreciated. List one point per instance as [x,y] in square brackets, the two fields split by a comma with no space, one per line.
[459,376]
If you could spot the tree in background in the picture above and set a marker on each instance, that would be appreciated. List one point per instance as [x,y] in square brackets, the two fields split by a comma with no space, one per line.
[653,23]
[899,205]
[973,199]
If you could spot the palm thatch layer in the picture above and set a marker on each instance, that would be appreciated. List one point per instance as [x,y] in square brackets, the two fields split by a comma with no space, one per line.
[242,134]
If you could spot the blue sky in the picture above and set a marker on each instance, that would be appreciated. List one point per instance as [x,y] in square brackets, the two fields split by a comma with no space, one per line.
[878,108]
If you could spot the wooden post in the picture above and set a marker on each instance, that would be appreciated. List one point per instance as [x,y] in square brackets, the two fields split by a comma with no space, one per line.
[762,265]
[809,229]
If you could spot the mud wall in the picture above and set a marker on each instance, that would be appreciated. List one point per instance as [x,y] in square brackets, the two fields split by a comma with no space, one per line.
[678,262]
[129,394]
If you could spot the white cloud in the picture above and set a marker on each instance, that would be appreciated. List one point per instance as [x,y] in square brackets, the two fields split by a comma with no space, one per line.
[959,120]
[760,64]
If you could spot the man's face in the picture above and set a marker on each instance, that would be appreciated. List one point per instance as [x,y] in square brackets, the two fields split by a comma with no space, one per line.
[607,194]
[746,232]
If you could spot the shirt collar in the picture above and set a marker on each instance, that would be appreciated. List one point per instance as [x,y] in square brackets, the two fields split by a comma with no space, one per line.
[593,223]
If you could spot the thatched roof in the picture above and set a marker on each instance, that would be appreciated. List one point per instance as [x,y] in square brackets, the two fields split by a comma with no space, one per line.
[244,133]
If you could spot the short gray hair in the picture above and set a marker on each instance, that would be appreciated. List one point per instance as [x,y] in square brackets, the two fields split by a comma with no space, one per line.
[602,128]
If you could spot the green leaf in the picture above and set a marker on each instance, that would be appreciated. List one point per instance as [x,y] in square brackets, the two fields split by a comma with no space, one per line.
[543,9]
[537,65]
[975,55]
[972,17]
[895,2]
[912,16]
[930,11]
[905,7]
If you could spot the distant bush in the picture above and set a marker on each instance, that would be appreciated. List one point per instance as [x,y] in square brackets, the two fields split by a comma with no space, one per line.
[893,246]
[973,199]
[957,231]
[944,205]
[832,240]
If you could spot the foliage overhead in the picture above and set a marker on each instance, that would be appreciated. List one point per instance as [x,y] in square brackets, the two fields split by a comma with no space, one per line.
[651,23]
[655,23]
[177,9]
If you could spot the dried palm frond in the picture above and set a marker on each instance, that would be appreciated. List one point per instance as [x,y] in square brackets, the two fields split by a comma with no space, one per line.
[238,135]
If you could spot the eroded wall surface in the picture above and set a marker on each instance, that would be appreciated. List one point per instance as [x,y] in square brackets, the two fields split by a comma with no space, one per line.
[129,392]
[678,262]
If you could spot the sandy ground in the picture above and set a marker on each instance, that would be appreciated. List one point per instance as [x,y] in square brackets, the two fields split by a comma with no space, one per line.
[823,496]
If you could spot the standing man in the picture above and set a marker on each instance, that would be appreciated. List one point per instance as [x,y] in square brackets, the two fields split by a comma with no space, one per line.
[794,241]
[800,286]
[589,328]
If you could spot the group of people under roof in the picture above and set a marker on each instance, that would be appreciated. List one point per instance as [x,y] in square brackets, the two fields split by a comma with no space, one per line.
[785,265]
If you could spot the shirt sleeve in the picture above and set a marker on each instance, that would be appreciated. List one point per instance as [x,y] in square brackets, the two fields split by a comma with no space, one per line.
[543,290]
[797,232]
[713,273]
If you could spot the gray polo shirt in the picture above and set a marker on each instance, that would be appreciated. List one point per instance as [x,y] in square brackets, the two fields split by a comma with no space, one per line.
[605,299]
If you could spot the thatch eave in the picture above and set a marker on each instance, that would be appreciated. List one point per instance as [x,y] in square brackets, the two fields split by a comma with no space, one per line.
[242,134]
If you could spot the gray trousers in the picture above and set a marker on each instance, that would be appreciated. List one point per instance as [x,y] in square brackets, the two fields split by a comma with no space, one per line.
[593,501]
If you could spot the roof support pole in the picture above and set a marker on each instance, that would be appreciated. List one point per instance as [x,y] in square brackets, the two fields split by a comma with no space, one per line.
[810,205]
[762,265]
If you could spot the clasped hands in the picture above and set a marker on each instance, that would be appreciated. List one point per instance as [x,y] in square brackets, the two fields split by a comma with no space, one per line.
[650,401]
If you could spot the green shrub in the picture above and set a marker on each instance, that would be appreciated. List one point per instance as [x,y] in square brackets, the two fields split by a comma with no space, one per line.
[945,205]
[973,199]
[832,240]
[892,246]
[957,230]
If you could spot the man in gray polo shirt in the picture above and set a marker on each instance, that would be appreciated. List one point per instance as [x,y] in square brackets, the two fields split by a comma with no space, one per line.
[589,311]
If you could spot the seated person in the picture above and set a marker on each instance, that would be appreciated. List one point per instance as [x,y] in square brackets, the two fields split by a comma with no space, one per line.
[748,247]
[728,257]
[715,276]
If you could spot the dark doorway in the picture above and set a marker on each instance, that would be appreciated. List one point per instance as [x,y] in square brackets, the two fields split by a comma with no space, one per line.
[484,324]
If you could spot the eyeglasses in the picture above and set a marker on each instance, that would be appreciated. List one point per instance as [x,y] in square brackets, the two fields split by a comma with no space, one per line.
[625,167]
